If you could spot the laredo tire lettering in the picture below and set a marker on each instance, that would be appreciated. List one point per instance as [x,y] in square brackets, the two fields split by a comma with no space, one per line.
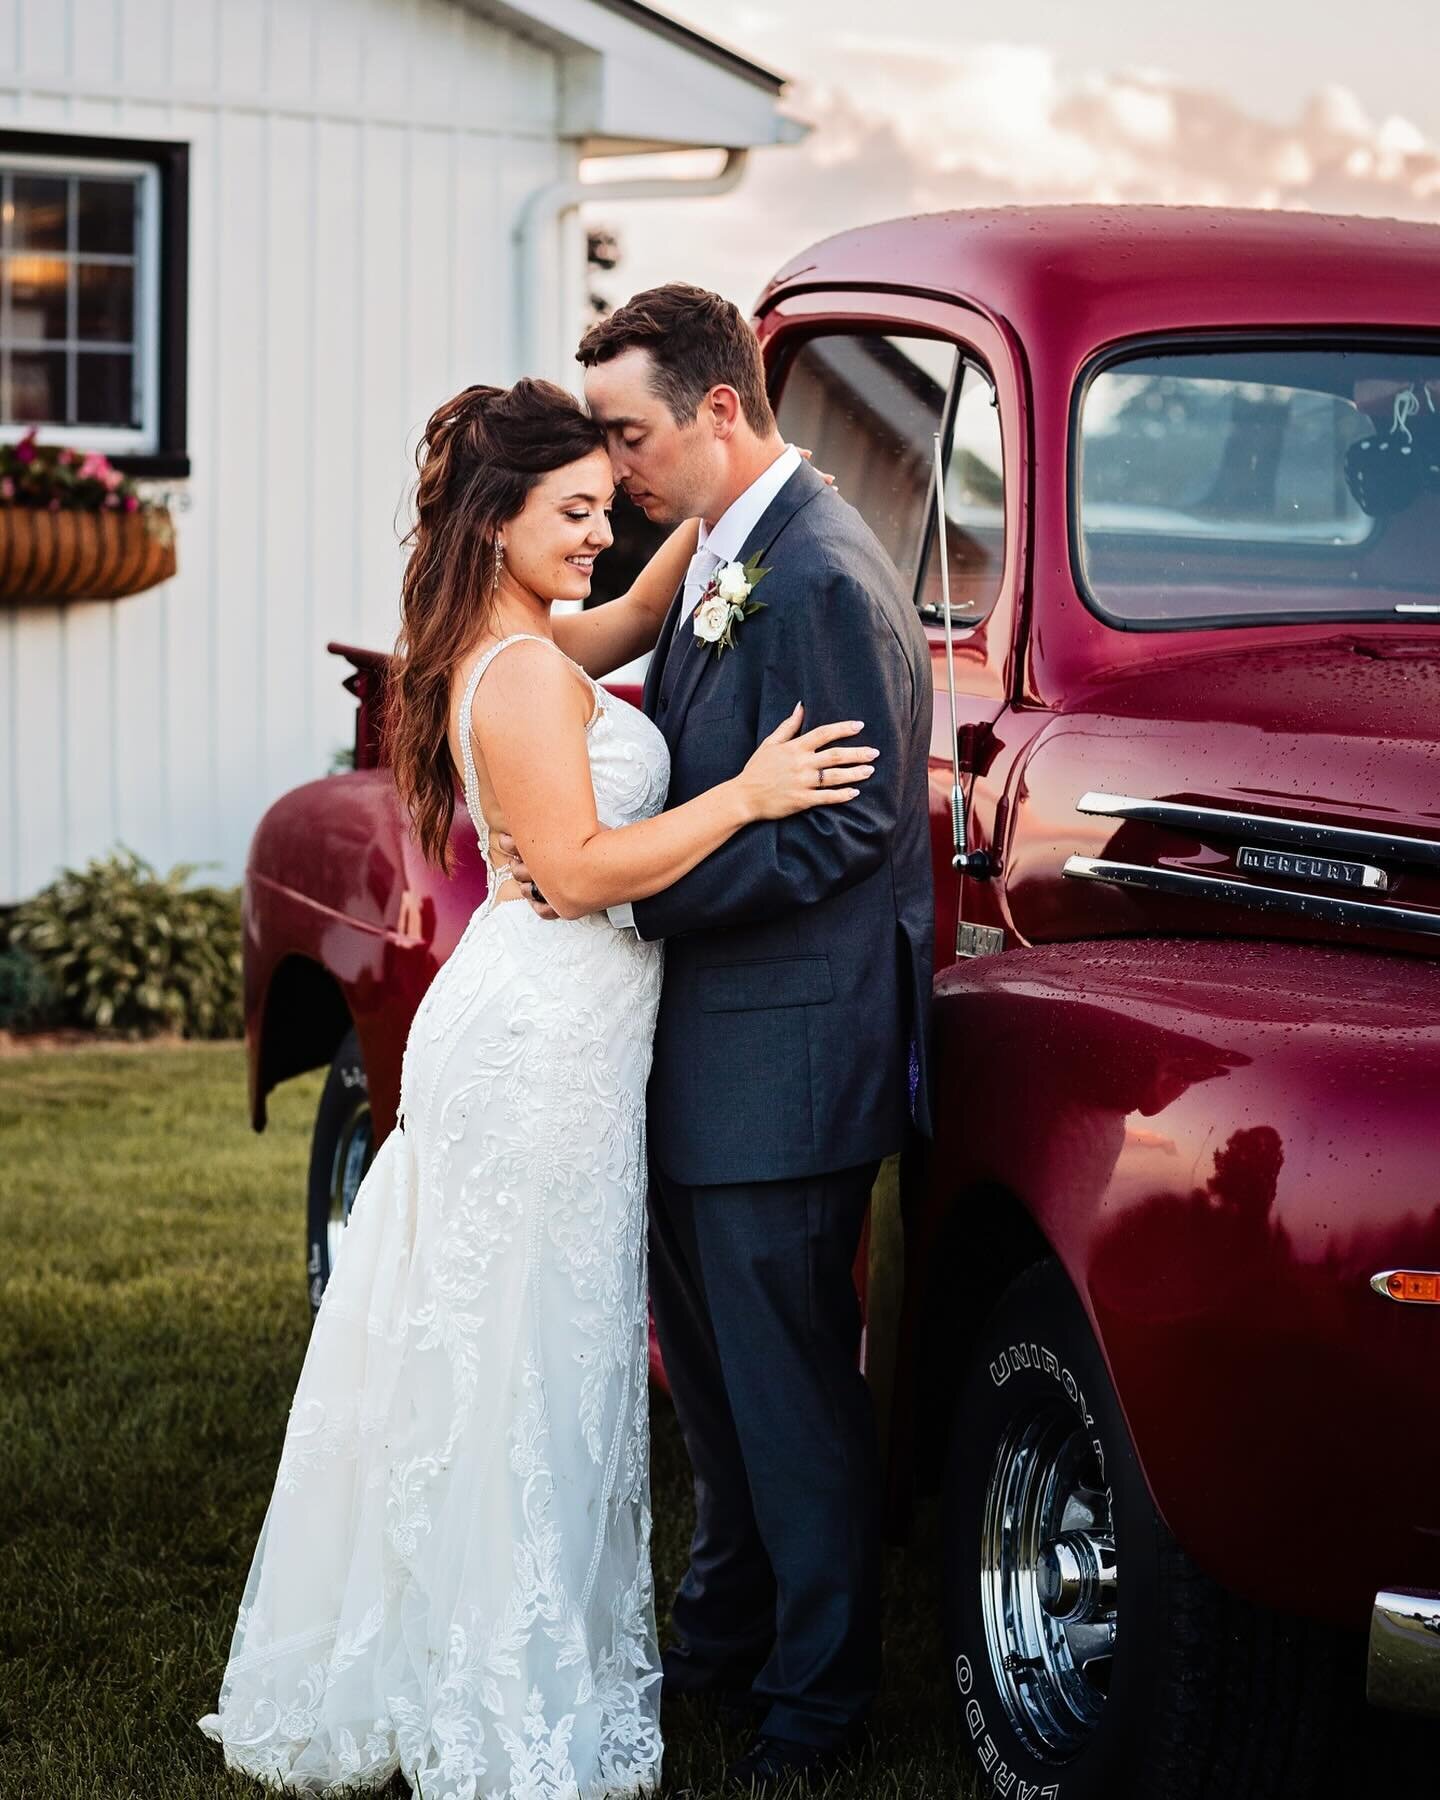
[1004,1780]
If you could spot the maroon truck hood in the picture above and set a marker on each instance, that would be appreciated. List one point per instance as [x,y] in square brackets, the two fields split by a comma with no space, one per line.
[1122,821]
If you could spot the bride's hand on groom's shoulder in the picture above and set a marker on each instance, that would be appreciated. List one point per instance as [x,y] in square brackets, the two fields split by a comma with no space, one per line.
[809,456]
[510,850]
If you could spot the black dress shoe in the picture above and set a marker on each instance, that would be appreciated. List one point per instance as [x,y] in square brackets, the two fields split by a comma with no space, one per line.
[773,1763]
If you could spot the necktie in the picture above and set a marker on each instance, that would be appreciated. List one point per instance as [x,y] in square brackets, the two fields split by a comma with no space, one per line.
[703,565]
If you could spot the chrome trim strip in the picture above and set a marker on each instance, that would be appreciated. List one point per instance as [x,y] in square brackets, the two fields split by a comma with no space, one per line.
[1215,821]
[1186,886]
[1402,1670]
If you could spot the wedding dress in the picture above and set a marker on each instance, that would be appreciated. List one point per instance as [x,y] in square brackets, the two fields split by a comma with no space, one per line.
[453,1577]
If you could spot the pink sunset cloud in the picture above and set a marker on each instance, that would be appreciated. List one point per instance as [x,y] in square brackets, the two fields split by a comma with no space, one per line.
[913,129]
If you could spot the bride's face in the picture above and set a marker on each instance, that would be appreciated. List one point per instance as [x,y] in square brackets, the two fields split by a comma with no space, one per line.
[552,542]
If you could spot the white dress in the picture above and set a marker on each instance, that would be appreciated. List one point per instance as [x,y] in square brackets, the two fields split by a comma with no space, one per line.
[453,1577]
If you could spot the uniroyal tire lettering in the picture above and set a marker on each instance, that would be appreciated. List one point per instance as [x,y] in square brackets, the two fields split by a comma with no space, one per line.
[974,1718]
[986,1752]
[964,1674]
[1041,1357]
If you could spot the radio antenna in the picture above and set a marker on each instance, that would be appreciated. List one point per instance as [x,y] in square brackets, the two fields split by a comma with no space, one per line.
[960,859]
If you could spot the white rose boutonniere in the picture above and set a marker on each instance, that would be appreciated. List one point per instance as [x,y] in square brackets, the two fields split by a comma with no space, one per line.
[712,620]
[726,603]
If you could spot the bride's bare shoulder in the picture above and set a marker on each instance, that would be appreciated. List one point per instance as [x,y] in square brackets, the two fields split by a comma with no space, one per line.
[528,681]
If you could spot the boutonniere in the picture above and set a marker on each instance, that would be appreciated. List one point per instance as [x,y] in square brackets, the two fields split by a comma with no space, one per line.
[726,603]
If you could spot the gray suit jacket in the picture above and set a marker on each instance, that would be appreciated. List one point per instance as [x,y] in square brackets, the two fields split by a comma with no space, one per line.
[792,1025]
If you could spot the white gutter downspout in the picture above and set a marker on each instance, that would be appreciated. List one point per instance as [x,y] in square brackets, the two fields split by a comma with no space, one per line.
[547,205]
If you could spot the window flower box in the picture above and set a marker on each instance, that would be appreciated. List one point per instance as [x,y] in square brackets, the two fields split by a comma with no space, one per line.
[73,527]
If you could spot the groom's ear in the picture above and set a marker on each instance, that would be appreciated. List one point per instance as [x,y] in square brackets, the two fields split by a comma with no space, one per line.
[721,406]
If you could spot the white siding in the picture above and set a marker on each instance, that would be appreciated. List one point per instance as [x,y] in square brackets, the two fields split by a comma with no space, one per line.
[355,169]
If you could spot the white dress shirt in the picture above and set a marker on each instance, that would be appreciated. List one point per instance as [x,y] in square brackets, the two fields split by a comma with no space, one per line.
[721,544]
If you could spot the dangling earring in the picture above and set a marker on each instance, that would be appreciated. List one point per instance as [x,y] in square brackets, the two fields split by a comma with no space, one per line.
[499,565]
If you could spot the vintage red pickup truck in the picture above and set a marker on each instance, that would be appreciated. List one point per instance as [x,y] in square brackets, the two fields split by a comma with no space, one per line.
[1159,1309]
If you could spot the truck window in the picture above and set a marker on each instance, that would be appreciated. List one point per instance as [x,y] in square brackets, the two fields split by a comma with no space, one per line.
[868,405]
[974,509]
[1260,483]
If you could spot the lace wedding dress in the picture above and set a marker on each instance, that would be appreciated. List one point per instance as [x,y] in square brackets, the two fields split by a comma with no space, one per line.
[453,1577]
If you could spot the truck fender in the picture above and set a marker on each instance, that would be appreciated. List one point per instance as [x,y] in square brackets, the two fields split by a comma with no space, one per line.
[1222,1143]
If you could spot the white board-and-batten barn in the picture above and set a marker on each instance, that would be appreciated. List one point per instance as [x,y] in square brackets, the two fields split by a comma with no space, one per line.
[247,247]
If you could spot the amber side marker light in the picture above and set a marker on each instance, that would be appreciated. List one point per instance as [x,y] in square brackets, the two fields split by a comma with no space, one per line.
[1415,1286]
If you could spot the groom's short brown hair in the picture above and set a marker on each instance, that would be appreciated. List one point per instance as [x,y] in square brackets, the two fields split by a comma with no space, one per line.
[697,340]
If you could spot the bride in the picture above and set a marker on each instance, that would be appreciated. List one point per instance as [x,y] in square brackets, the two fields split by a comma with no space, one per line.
[453,1576]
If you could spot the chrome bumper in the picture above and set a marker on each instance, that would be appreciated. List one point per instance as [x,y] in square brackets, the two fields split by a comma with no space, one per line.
[1403,1672]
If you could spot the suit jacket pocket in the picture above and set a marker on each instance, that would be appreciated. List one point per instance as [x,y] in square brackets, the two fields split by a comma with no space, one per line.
[758,986]
[721,707]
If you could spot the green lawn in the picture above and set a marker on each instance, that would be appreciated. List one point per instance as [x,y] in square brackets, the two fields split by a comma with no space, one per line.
[152,1322]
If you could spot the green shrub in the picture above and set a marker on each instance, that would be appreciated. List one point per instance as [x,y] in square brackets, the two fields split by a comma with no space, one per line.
[135,953]
[29,999]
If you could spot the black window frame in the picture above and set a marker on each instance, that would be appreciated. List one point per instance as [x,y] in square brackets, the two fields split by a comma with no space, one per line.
[171,160]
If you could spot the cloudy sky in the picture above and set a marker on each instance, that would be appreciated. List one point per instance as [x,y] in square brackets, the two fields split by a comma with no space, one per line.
[925,104]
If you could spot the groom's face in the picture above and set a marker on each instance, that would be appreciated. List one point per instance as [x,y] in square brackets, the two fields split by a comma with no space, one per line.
[668,469]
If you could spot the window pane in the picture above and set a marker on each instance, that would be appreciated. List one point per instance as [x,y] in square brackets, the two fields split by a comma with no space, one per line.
[1255,482]
[39,220]
[103,390]
[107,301]
[869,406]
[974,509]
[37,387]
[36,292]
[106,222]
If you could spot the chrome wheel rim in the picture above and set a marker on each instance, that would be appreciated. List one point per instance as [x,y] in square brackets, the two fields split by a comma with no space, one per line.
[353,1150]
[1048,1582]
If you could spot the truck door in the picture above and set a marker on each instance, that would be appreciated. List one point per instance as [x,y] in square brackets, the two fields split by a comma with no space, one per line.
[866,381]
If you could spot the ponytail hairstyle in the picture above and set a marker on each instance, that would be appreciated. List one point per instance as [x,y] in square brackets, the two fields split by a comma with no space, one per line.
[481,454]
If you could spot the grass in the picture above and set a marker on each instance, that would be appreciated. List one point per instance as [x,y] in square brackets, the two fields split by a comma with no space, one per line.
[152,1323]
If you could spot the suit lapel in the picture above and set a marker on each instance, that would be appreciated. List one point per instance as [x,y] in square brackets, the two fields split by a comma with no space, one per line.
[695,657]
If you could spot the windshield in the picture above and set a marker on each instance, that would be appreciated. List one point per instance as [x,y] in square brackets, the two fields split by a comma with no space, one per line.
[1239,486]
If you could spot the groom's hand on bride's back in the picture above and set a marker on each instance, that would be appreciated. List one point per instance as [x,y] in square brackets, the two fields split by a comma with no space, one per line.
[510,850]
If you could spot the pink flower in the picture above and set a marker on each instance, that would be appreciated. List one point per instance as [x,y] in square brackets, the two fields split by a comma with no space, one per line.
[111,477]
[94,467]
[25,449]
[132,504]
[54,506]
[7,489]
[112,500]
[69,456]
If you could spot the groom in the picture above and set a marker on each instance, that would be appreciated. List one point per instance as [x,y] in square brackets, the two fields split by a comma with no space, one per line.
[789,1049]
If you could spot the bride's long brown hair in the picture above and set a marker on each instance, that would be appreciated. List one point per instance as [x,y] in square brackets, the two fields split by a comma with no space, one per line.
[481,454]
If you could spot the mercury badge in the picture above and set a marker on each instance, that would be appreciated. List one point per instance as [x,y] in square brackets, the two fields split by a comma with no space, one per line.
[1329,869]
